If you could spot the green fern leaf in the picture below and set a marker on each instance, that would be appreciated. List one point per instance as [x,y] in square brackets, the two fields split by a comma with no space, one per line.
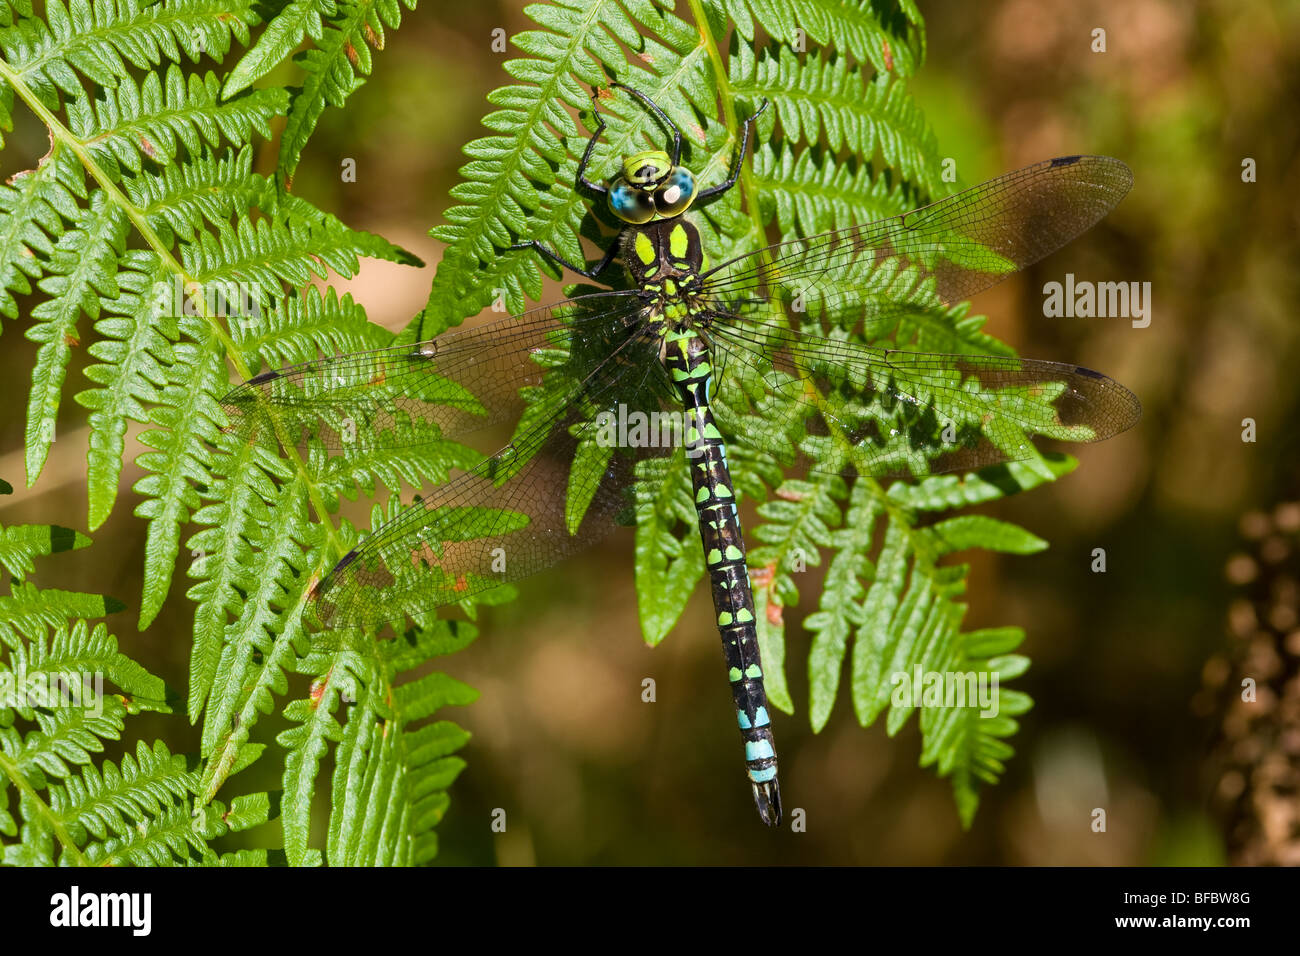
[146,217]
[188,415]
[104,40]
[21,543]
[282,35]
[128,124]
[82,267]
[71,809]
[392,768]
[669,561]
[134,351]
[335,67]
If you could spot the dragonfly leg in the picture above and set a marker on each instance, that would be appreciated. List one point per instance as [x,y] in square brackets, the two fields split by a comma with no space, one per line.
[582,181]
[736,161]
[558,259]
[663,118]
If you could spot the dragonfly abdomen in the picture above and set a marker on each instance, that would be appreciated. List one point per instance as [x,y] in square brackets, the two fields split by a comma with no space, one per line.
[687,359]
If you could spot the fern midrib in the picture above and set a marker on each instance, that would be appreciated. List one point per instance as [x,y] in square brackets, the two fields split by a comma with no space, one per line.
[59,131]
[62,48]
[114,194]
[750,192]
[14,773]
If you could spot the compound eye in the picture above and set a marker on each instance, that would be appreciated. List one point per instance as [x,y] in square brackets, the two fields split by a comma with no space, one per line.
[630,203]
[675,194]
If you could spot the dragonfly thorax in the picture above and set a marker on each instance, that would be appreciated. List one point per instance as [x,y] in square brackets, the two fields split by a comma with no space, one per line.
[664,260]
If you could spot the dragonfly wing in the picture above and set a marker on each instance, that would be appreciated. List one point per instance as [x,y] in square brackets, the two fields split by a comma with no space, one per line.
[563,482]
[948,251]
[897,413]
[458,382]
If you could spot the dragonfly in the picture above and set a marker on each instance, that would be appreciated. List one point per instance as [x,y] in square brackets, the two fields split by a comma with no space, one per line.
[619,386]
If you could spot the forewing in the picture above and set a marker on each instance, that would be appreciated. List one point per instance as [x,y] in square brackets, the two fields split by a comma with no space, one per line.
[459,382]
[563,482]
[947,251]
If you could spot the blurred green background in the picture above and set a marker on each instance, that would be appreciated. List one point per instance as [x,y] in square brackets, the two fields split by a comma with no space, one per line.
[585,771]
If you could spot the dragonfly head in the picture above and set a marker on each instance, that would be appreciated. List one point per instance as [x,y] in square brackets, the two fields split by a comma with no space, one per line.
[650,185]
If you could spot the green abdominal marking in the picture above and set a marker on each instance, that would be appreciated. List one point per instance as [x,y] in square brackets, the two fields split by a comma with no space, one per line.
[686,356]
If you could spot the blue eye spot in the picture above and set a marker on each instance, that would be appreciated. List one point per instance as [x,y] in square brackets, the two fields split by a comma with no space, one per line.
[630,203]
[676,193]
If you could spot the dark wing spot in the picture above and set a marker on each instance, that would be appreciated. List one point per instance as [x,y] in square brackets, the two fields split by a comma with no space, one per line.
[1066,160]
[264,377]
[1088,372]
[346,560]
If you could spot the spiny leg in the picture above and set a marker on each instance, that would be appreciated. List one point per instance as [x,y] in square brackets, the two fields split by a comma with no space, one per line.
[555,257]
[663,118]
[582,182]
[736,161]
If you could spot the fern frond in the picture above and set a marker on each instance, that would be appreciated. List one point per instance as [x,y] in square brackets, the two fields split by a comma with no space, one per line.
[392,767]
[81,269]
[809,191]
[27,608]
[21,544]
[335,67]
[888,36]
[338,63]
[72,809]
[103,40]
[870,114]
[133,352]
[906,618]
[240,666]
[669,562]
[243,513]
[209,190]
[297,328]
[127,124]
[32,207]
[189,416]
[146,218]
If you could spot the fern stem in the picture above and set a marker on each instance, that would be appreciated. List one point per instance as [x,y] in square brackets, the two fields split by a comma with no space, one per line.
[13,772]
[727,95]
